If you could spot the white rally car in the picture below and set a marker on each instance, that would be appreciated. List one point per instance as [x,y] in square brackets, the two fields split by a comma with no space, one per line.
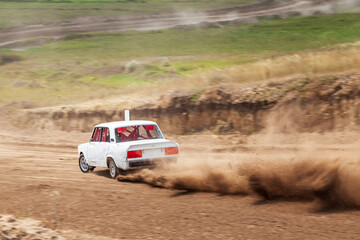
[126,145]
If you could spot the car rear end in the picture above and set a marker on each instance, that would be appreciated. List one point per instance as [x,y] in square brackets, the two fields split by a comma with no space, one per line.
[146,154]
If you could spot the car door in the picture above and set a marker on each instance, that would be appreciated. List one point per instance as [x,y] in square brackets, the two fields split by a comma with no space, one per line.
[93,145]
[102,148]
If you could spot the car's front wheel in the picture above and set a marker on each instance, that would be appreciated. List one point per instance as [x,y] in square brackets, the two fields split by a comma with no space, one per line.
[84,167]
[114,171]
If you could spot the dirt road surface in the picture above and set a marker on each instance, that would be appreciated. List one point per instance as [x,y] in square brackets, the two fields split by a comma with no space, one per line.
[40,179]
[140,23]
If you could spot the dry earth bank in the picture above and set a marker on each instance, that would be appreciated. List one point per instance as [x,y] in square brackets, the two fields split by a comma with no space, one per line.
[318,103]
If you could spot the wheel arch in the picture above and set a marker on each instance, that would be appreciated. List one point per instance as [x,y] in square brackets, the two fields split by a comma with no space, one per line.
[108,159]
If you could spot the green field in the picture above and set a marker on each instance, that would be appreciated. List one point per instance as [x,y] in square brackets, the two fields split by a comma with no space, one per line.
[15,13]
[105,61]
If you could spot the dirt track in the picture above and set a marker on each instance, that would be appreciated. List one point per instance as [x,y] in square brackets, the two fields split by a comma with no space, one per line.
[140,23]
[40,179]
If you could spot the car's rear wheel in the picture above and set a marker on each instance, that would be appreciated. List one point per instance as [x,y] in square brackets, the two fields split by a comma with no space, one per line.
[113,169]
[84,167]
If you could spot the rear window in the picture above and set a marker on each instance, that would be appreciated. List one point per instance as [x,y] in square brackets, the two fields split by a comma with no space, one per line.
[139,132]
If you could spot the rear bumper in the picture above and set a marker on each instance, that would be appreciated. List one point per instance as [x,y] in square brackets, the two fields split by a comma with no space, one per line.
[147,163]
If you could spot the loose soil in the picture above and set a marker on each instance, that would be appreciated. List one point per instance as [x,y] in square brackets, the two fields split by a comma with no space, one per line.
[41,179]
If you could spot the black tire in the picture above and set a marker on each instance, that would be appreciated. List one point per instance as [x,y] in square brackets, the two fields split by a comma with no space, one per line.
[84,167]
[113,169]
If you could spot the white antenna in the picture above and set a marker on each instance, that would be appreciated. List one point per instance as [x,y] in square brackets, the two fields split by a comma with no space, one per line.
[127,115]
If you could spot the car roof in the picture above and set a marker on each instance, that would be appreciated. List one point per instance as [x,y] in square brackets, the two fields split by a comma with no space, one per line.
[125,123]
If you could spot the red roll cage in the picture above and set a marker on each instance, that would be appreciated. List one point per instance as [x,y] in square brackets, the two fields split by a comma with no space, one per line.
[134,134]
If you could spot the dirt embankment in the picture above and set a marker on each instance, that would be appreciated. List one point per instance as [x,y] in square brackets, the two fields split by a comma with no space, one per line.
[323,103]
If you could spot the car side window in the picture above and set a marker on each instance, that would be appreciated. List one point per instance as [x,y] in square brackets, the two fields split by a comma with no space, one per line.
[96,135]
[105,136]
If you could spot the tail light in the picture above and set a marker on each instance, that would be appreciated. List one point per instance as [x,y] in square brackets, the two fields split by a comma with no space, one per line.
[171,151]
[134,154]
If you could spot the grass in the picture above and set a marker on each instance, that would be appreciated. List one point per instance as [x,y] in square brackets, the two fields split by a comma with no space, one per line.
[101,64]
[116,81]
[199,49]
[324,61]
[15,13]
[9,58]
[274,36]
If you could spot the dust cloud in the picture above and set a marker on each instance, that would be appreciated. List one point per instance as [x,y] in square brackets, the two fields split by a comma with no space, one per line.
[206,176]
[272,165]
[331,183]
